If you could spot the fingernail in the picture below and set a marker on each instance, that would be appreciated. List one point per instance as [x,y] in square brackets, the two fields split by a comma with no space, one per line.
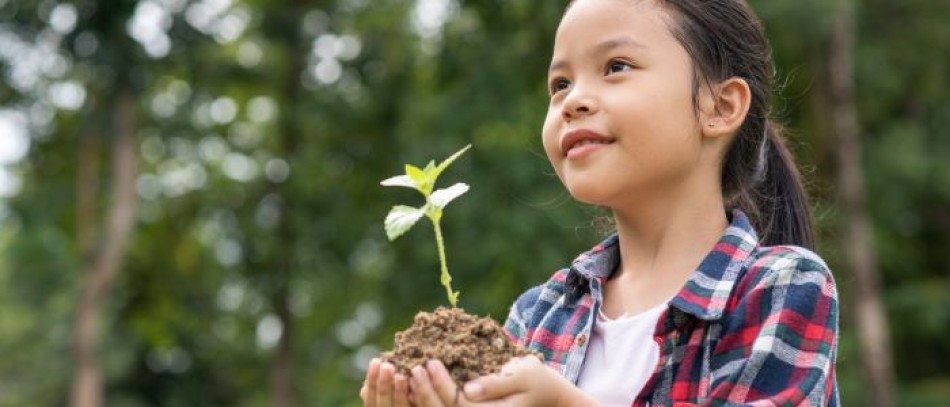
[418,371]
[473,389]
[434,364]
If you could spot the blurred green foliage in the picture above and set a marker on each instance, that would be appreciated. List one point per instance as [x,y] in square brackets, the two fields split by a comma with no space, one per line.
[266,126]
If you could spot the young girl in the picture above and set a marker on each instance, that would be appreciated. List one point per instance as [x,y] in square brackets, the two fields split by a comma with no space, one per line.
[660,110]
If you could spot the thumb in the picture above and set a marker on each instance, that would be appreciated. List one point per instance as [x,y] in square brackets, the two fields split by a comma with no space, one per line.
[489,388]
[500,385]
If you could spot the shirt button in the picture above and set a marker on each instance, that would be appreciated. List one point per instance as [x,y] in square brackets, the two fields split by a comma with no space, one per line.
[581,340]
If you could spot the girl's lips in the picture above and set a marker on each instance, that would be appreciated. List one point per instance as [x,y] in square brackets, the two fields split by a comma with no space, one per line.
[586,147]
[580,142]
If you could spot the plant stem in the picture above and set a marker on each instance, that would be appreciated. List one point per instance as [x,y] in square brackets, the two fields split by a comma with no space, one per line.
[445,278]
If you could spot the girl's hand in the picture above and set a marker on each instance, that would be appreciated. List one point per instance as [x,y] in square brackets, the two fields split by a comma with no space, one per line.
[384,387]
[521,382]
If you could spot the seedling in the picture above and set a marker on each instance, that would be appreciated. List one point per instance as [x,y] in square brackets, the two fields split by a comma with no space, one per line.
[401,218]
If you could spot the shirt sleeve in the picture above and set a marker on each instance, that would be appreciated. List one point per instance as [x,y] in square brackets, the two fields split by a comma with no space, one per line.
[782,338]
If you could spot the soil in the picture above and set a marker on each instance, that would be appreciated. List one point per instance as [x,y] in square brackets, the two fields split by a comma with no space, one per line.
[468,345]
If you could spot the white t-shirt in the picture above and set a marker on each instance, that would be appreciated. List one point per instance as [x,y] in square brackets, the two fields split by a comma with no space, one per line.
[620,358]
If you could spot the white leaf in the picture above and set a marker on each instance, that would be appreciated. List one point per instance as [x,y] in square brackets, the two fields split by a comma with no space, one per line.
[442,197]
[400,219]
[399,181]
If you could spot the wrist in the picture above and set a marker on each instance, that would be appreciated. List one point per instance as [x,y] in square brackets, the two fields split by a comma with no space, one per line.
[569,395]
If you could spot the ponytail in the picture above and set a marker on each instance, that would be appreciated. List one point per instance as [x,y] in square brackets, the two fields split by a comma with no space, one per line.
[775,200]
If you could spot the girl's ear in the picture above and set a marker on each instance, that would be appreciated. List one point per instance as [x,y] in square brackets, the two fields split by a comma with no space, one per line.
[724,107]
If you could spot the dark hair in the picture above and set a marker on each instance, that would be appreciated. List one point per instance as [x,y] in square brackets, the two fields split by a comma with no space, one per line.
[725,39]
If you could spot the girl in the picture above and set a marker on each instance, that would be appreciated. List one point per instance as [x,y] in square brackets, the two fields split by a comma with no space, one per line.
[660,110]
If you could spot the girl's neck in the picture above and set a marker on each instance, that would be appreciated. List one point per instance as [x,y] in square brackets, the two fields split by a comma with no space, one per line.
[663,241]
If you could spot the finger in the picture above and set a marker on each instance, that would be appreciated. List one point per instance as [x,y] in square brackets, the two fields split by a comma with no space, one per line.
[365,394]
[401,397]
[368,392]
[422,390]
[384,385]
[443,383]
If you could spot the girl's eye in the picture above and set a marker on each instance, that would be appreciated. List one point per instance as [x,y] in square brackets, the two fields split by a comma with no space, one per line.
[559,84]
[618,66]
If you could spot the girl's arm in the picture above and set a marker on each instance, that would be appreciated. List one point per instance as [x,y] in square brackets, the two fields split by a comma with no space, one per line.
[787,328]
[521,382]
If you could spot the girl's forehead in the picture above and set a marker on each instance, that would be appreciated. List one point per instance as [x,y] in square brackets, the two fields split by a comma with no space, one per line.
[588,20]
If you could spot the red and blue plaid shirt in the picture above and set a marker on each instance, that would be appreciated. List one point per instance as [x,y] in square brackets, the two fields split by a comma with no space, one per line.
[754,325]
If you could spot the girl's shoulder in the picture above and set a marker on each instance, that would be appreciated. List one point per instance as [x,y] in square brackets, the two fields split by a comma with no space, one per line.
[788,255]
[767,261]
[784,268]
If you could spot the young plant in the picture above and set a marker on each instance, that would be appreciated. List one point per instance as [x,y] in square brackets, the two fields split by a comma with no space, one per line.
[401,218]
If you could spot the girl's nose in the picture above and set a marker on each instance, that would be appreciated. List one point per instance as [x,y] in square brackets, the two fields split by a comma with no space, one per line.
[578,104]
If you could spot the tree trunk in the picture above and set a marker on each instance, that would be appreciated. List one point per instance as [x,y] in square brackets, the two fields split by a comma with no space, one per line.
[101,268]
[283,390]
[869,308]
[282,370]
[87,193]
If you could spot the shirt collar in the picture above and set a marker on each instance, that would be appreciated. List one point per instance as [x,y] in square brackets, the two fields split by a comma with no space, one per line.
[706,292]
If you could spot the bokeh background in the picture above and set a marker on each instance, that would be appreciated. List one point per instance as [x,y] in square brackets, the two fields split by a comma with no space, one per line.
[190,209]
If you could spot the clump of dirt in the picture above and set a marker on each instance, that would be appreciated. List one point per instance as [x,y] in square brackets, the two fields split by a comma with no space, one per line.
[469,346]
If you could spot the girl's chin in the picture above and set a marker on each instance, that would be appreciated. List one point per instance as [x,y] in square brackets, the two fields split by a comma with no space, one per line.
[590,194]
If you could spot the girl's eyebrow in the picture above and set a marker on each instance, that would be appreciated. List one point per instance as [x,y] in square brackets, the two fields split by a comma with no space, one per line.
[601,48]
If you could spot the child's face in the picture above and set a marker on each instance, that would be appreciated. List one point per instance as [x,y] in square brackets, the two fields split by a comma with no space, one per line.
[618,74]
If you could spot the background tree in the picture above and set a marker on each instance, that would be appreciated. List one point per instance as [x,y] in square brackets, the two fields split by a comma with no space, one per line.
[871,320]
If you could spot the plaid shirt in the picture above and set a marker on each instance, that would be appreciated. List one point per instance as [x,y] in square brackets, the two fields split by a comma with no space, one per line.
[754,325]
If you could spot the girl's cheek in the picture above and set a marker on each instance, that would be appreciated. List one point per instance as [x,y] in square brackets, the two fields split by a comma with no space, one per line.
[551,150]
[549,135]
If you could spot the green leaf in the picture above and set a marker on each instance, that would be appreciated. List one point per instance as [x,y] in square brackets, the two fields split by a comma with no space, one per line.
[442,197]
[399,181]
[416,174]
[424,181]
[400,219]
[430,167]
[448,161]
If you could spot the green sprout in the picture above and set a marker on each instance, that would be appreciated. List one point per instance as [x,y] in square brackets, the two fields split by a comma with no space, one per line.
[401,218]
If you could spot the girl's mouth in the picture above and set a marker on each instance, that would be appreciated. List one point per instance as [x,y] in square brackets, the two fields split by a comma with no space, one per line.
[581,142]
